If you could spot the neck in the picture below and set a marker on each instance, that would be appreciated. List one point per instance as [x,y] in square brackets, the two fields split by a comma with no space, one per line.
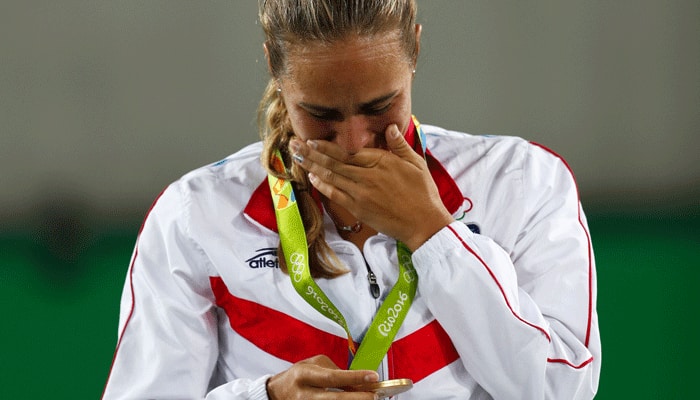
[344,220]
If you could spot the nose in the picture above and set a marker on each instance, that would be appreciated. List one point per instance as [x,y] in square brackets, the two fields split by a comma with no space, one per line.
[354,133]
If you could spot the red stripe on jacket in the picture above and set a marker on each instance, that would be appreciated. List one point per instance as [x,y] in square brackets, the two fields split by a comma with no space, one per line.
[131,288]
[588,239]
[415,356]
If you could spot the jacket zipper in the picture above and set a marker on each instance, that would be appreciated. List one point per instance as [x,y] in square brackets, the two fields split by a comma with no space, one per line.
[373,285]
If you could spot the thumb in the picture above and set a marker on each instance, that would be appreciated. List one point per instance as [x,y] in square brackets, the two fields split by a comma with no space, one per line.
[396,142]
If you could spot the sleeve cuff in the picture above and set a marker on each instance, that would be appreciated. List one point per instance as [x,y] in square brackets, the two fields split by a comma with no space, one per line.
[258,388]
[443,242]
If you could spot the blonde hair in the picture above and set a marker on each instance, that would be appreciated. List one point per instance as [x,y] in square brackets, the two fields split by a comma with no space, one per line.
[287,23]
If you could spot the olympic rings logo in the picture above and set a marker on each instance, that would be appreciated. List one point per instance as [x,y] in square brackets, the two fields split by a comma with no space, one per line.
[298,264]
[410,274]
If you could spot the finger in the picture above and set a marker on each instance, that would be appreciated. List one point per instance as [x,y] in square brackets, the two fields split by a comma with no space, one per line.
[321,367]
[320,377]
[321,360]
[331,177]
[397,143]
[327,167]
[318,151]
[328,149]
[330,189]
[334,157]
[326,363]
[365,157]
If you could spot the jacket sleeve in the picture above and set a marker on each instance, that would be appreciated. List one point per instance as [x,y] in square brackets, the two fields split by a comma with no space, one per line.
[523,321]
[168,343]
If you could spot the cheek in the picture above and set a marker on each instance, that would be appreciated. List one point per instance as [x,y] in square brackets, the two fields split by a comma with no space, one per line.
[379,124]
[306,128]
[399,115]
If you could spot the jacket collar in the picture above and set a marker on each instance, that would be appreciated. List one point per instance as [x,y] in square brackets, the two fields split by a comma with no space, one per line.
[261,209]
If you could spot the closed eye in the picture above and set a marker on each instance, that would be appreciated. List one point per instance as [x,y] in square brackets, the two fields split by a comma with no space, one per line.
[326,115]
[377,111]
[322,113]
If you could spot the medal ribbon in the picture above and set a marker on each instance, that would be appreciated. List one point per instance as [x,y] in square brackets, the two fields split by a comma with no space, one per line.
[393,310]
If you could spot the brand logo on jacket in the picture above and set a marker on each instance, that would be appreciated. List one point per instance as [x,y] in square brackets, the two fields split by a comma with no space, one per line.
[265,258]
[467,206]
[473,227]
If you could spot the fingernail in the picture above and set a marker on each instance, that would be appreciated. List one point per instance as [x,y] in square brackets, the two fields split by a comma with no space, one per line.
[298,158]
[312,144]
[294,145]
[372,377]
[312,177]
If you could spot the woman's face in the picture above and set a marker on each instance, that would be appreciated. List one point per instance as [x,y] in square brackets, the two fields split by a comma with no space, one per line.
[348,92]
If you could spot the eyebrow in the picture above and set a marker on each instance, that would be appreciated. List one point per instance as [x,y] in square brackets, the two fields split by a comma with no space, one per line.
[364,106]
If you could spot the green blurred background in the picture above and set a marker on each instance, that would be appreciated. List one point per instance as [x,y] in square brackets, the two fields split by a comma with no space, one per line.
[103,103]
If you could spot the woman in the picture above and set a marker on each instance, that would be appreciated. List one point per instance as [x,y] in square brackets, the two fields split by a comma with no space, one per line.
[471,254]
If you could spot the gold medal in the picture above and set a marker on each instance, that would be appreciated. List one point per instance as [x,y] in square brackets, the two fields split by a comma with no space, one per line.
[385,389]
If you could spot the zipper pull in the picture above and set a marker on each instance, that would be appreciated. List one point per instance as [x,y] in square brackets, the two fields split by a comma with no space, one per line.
[373,285]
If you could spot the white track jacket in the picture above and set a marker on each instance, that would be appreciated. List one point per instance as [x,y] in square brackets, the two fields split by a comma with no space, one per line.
[505,305]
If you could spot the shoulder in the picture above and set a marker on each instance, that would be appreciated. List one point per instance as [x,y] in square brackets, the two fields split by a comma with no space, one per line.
[493,160]
[224,186]
[240,168]
[233,178]
[494,151]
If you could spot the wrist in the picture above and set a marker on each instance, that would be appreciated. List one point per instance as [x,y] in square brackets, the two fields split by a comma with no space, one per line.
[267,388]
[427,230]
[257,388]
